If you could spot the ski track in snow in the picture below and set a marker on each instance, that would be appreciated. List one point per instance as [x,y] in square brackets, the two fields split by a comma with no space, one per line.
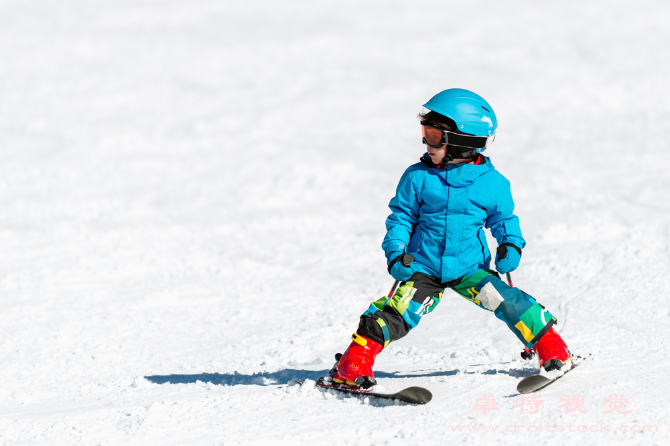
[193,197]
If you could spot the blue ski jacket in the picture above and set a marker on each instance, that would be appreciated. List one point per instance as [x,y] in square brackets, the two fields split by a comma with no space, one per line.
[439,214]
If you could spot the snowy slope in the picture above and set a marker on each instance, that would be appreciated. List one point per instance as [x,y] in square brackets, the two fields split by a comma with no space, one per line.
[193,196]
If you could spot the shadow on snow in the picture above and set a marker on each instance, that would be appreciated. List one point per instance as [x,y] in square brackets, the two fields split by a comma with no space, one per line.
[287,375]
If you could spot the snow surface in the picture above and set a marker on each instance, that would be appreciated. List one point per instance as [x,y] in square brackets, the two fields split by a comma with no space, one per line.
[193,196]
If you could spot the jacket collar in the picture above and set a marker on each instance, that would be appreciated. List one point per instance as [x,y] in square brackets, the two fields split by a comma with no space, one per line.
[459,175]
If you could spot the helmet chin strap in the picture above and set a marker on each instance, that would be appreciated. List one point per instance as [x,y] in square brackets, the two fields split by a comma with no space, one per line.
[459,152]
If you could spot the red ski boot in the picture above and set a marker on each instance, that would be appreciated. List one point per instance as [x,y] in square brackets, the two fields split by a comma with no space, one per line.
[552,351]
[354,367]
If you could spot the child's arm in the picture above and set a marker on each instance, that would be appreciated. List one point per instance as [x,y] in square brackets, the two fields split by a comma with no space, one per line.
[502,222]
[400,224]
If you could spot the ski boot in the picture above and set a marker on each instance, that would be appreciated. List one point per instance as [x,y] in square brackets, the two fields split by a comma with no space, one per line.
[354,367]
[551,351]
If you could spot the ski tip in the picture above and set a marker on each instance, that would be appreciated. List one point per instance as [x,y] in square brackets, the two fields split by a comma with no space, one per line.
[416,395]
[532,383]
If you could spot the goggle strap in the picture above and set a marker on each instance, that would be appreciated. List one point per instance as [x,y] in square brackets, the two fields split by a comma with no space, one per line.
[474,142]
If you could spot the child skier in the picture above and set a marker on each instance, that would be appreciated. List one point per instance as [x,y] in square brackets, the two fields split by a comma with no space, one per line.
[435,240]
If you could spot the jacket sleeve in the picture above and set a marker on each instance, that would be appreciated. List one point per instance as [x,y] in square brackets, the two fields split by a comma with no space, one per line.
[405,212]
[502,222]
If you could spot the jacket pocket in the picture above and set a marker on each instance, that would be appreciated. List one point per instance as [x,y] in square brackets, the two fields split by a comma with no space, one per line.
[415,242]
[418,245]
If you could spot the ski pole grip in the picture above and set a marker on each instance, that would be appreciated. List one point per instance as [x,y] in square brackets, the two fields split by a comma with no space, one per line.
[406,260]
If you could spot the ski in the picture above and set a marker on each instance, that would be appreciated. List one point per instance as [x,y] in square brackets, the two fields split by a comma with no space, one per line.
[411,395]
[533,383]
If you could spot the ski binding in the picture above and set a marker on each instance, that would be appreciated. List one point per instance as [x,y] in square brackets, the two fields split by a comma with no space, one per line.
[536,382]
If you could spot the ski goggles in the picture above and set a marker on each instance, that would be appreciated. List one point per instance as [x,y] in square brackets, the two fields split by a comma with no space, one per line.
[436,137]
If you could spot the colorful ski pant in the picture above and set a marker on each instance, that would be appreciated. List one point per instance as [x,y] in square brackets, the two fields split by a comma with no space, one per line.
[389,319]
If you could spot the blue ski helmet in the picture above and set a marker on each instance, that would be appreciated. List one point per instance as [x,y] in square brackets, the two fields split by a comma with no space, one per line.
[471,113]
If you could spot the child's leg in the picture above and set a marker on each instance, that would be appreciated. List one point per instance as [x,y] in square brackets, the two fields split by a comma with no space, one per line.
[389,319]
[523,315]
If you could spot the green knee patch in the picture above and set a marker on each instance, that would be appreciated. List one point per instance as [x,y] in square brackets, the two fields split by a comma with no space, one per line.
[402,297]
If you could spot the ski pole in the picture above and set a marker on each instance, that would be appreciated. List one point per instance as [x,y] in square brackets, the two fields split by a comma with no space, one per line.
[509,280]
[407,259]
[395,285]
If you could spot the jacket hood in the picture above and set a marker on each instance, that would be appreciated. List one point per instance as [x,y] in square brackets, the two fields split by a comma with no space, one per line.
[458,175]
